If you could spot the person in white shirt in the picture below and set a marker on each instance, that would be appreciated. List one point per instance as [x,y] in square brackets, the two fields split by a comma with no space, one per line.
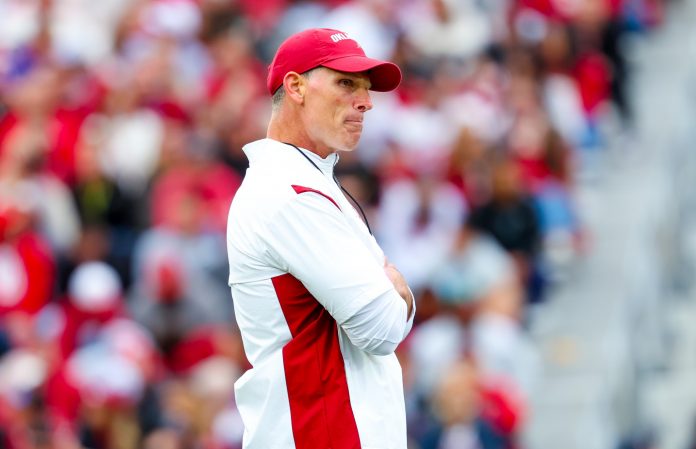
[320,309]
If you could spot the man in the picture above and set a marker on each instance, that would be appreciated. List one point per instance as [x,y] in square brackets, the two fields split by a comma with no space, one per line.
[319,308]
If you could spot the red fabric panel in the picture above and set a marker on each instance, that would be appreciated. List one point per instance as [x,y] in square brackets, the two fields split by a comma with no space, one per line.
[302,189]
[320,408]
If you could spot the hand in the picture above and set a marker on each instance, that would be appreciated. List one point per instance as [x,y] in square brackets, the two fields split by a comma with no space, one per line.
[397,279]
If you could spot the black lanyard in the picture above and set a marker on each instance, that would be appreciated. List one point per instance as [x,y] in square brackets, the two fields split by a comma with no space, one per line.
[337,183]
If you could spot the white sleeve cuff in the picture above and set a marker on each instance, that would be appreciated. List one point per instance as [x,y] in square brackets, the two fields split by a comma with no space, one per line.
[380,325]
[409,323]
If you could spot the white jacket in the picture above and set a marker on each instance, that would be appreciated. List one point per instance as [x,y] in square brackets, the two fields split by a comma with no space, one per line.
[319,318]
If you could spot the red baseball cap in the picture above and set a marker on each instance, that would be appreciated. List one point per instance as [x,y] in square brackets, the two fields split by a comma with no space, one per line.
[325,47]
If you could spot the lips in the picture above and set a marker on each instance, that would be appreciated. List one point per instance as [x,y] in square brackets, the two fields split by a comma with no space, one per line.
[355,122]
[354,126]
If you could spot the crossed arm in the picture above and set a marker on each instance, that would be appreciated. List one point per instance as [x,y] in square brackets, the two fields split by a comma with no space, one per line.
[366,295]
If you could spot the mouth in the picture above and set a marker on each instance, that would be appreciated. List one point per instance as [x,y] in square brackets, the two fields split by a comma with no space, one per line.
[356,124]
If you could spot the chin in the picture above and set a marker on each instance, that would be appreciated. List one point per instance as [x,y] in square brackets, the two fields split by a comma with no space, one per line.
[345,146]
[351,144]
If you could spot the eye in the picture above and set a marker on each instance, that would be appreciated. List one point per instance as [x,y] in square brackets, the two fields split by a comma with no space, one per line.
[345,82]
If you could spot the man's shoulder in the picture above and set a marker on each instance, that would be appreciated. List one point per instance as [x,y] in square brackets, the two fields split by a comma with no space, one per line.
[270,178]
[262,191]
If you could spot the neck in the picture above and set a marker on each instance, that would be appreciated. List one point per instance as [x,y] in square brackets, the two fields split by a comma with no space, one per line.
[285,127]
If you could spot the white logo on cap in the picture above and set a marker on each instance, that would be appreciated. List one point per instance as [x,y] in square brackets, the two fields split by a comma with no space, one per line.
[339,37]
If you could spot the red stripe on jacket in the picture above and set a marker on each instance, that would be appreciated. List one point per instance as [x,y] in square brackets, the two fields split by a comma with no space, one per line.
[320,409]
[302,189]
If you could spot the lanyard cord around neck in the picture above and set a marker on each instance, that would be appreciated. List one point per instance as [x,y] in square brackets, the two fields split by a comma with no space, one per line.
[337,183]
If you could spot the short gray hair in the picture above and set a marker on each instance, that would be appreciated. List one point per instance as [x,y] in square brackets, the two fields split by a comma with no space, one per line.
[278,97]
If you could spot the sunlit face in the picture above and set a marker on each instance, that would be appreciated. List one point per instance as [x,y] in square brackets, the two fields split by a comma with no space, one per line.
[334,108]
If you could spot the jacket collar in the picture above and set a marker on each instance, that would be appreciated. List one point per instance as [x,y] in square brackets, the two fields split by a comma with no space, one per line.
[269,148]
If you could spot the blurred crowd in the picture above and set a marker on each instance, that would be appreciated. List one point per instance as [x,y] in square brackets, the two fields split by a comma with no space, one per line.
[121,127]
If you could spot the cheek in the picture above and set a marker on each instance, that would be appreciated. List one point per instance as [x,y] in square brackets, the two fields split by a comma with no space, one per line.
[323,110]
[328,114]
[331,117]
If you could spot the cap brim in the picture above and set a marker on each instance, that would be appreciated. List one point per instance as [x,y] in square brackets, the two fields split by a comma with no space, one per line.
[384,76]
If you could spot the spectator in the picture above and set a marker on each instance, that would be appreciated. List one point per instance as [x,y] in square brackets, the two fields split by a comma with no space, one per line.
[28,269]
[25,181]
[510,216]
[470,413]
[421,218]
[121,126]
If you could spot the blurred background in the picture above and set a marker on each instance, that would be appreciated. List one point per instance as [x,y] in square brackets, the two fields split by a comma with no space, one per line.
[533,178]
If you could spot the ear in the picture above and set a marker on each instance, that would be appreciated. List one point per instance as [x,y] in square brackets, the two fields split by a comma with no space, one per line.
[295,87]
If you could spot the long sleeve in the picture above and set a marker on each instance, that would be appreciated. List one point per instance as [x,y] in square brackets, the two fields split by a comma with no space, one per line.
[311,239]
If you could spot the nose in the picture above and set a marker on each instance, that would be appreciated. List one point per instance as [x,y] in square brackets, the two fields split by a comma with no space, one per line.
[363,103]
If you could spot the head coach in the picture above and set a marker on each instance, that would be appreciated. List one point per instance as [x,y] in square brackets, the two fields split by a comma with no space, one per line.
[319,308]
